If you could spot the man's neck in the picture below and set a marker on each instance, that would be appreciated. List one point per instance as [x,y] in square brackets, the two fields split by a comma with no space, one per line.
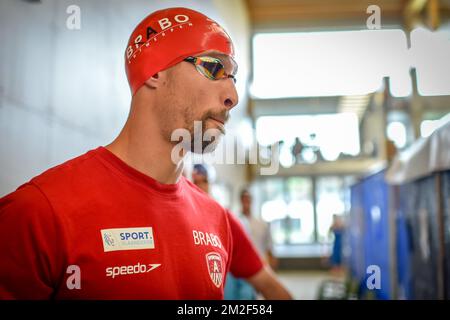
[247,214]
[151,157]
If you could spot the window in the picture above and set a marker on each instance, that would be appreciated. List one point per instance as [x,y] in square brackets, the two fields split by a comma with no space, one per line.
[338,63]
[427,127]
[329,63]
[331,199]
[300,210]
[273,208]
[399,129]
[295,217]
[332,134]
[430,53]
[396,132]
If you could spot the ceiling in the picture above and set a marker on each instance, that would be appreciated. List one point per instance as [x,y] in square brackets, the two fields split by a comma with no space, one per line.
[326,14]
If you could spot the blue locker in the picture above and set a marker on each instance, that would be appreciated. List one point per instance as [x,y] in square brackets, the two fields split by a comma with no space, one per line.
[445,203]
[369,233]
[422,217]
[376,236]
[405,203]
[355,233]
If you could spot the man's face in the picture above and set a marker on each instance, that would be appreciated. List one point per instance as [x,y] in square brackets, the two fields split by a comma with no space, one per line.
[200,181]
[246,201]
[189,96]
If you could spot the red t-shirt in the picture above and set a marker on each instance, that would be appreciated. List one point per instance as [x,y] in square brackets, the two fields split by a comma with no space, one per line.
[95,228]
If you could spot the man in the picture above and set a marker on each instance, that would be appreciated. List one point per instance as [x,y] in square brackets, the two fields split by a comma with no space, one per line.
[120,222]
[200,177]
[337,228]
[259,232]
[258,229]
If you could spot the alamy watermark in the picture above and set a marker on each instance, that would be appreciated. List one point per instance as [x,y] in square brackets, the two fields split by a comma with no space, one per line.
[373,22]
[374,277]
[206,145]
[73,21]
[74,280]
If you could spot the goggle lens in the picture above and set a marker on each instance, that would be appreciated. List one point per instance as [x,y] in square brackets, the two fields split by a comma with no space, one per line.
[210,67]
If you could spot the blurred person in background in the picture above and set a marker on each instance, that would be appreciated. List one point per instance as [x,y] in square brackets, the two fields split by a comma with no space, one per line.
[238,288]
[337,229]
[259,232]
[258,229]
[200,177]
[296,150]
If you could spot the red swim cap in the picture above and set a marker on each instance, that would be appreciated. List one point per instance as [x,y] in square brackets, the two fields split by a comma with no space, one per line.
[168,36]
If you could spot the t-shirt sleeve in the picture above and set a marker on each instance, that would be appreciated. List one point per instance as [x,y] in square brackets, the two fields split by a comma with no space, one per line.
[30,261]
[245,260]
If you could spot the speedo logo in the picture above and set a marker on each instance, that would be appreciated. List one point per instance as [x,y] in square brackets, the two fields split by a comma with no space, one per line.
[133,269]
[127,239]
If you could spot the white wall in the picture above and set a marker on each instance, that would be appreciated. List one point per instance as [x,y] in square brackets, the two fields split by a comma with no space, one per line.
[236,21]
[63,92]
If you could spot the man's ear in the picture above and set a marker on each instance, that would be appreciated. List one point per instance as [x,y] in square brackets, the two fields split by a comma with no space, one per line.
[155,81]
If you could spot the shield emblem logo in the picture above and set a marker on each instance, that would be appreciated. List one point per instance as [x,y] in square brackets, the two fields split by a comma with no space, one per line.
[215,268]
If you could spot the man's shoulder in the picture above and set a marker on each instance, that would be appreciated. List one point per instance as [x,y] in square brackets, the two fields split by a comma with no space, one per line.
[66,171]
[27,198]
[198,195]
[67,179]
[35,198]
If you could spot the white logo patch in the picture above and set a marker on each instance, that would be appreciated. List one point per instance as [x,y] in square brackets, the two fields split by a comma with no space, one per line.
[215,268]
[127,239]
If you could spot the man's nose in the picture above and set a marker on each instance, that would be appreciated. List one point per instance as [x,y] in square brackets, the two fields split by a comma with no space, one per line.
[230,96]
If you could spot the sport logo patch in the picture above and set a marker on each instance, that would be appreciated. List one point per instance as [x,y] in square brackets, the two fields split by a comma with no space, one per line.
[127,239]
[215,268]
[109,240]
